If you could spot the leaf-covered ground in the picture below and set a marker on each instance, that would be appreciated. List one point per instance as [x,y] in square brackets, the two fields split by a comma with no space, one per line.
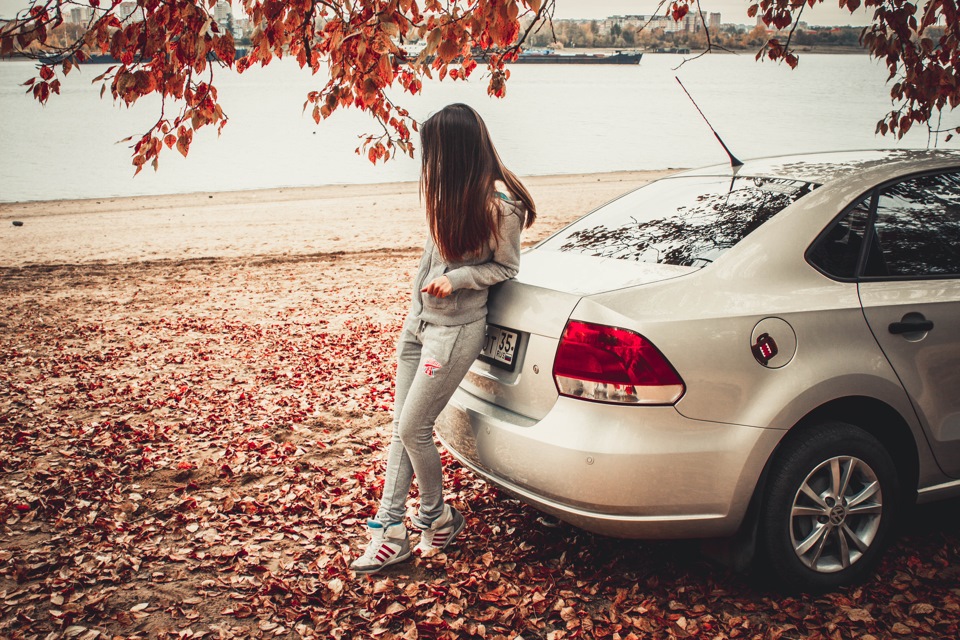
[190,449]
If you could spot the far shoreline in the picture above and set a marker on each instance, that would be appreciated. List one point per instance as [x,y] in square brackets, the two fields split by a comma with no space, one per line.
[820,50]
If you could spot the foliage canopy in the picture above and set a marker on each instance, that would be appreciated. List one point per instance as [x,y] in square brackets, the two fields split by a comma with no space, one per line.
[357,48]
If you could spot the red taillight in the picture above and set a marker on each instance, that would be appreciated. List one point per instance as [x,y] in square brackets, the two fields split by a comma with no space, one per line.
[609,364]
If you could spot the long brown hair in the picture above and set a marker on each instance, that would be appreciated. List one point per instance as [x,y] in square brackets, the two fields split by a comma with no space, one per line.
[460,167]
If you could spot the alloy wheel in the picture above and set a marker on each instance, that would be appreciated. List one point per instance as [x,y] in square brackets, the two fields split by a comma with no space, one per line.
[836,514]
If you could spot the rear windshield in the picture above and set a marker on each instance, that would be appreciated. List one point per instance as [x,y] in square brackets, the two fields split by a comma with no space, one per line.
[680,221]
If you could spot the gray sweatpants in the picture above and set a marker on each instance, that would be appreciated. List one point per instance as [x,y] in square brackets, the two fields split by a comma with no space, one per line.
[431,361]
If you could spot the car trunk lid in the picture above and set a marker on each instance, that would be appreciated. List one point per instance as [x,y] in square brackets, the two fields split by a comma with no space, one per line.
[535,307]
[584,275]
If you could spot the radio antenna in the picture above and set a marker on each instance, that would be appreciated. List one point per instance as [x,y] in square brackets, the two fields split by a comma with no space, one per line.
[736,164]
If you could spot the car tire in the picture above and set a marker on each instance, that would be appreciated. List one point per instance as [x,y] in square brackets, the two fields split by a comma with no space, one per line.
[828,508]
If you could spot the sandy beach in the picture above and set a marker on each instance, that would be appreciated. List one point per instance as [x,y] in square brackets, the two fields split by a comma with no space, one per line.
[296,221]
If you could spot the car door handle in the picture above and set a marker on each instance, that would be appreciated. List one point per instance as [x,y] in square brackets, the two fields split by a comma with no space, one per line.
[910,326]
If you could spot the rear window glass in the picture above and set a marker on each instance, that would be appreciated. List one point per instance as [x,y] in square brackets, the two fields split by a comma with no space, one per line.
[680,221]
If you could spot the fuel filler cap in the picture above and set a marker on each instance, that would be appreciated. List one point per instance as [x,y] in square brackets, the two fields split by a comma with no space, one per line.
[773,343]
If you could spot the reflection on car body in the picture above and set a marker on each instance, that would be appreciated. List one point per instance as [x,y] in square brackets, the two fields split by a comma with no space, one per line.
[772,352]
[695,224]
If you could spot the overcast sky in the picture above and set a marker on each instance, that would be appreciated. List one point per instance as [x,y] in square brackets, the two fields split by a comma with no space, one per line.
[734,11]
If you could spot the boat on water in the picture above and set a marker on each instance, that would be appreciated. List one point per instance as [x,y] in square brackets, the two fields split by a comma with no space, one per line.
[106,58]
[542,56]
[548,56]
[527,56]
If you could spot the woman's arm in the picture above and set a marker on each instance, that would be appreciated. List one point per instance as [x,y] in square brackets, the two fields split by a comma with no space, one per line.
[505,263]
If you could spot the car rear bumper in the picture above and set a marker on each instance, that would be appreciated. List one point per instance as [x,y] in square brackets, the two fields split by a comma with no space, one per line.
[632,472]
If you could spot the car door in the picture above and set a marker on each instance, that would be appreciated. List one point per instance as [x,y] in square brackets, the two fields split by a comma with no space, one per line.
[910,292]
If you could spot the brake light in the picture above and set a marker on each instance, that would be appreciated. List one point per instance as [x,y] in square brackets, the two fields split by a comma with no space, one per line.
[609,364]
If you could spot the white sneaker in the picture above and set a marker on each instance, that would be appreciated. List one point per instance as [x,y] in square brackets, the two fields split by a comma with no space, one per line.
[387,545]
[442,531]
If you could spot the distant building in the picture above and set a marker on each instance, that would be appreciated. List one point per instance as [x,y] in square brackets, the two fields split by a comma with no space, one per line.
[223,13]
[241,28]
[126,10]
[689,24]
[79,15]
[619,23]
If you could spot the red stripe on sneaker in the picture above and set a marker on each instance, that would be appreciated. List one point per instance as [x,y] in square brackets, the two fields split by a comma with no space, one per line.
[384,553]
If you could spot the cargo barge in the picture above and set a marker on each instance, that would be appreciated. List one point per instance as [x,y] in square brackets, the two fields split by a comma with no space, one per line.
[552,57]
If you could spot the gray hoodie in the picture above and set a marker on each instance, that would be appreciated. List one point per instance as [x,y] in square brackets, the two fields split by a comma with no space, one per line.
[470,277]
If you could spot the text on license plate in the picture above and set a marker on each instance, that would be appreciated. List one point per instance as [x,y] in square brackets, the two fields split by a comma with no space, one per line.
[500,346]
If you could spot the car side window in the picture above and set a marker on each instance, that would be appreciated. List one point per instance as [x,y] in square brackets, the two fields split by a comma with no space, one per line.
[917,228]
[838,250]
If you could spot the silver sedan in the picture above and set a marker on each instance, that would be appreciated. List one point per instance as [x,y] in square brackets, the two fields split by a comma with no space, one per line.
[769,353]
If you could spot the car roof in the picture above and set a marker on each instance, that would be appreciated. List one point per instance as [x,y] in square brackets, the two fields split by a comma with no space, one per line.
[822,168]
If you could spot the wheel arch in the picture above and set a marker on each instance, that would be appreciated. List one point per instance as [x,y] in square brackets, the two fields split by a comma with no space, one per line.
[870,414]
[881,421]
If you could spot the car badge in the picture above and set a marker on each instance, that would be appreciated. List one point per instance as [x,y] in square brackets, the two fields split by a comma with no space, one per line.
[764,349]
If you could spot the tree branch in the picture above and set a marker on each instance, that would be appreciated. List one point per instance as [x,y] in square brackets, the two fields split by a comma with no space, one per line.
[796,22]
[653,15]
[710,45]
[514,48]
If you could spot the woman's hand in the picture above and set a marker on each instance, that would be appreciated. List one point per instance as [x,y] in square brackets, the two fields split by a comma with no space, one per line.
[438,287]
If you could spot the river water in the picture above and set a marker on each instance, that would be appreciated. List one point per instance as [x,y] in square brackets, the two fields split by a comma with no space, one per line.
[556,119]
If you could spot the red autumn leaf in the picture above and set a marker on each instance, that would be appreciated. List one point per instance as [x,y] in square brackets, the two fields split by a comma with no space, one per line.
[268,546]
[183,141]
[41,92]
[447,51]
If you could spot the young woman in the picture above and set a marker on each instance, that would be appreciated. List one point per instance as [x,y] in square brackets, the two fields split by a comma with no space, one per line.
[474,243]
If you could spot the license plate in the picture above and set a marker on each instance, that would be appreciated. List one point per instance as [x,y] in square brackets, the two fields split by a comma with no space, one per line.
[500,347]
